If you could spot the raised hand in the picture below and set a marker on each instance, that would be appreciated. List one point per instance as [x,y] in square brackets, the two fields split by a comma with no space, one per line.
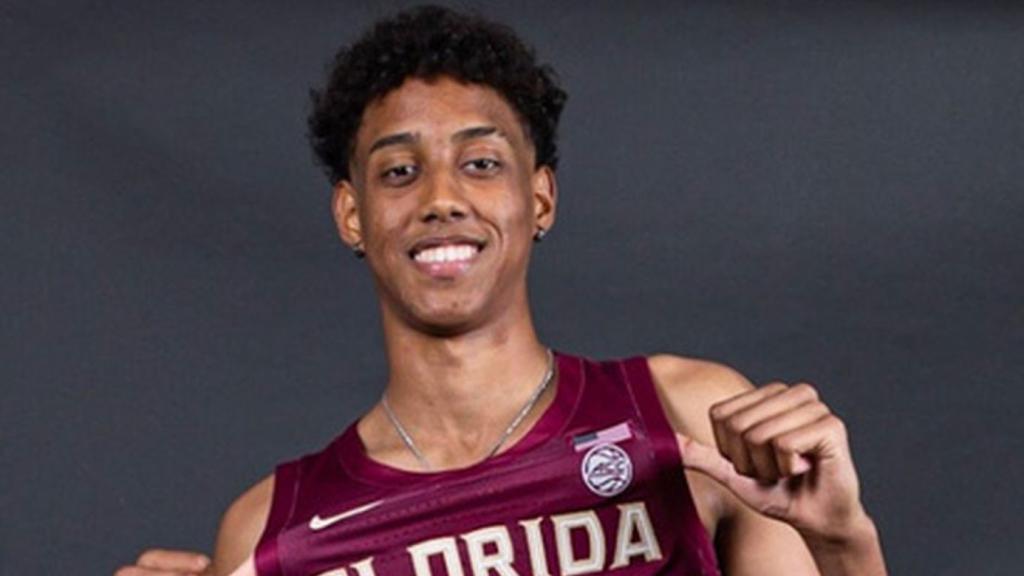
[158,562]
[782,452]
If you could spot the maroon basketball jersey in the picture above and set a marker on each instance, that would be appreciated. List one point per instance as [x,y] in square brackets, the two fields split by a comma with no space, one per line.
[595,487]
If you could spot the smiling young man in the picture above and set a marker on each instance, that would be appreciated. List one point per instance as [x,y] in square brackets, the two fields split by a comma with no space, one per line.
[489,453]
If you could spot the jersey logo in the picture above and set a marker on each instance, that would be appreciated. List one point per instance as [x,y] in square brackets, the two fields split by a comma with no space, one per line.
[607,470]
[318,523]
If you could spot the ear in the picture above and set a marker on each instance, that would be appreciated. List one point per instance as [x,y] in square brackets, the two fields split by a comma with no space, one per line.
[345,207]
[545,197]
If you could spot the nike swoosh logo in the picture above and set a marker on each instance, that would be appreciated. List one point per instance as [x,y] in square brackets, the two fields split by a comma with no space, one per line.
[318,523]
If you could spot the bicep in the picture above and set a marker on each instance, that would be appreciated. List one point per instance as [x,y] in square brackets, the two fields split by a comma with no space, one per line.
[242,526]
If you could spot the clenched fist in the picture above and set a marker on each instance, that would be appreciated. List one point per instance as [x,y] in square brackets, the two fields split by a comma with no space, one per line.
[782,452]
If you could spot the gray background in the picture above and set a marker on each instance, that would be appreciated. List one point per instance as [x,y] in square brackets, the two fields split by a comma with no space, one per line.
[804,190]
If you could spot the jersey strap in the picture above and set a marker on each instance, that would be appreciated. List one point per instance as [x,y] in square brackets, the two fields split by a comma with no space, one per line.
[286,488]
[643,392]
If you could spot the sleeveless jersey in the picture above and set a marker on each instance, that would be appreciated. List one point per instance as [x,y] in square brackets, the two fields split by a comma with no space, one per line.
[595,487]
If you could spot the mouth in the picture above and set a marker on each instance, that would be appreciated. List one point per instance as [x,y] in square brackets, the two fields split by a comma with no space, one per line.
[446,256]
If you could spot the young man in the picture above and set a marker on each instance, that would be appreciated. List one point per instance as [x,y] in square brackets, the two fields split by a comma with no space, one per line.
[488,453]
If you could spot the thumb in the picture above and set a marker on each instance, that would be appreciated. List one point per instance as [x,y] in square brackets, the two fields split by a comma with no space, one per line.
[702,458]
[698,456]
[705,459]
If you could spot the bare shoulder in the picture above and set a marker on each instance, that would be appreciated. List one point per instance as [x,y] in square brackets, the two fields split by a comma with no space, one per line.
[689,387]
[242,525]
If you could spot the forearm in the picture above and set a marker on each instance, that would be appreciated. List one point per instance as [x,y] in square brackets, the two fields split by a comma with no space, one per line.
[857,551]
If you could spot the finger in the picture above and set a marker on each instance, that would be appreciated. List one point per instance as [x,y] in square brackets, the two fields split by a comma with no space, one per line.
[728,439]
[726,408]
[179,560]
[792,464]
[821,440]
[761,439]
[771,405]
[763,462]
[697,456]
[738,426]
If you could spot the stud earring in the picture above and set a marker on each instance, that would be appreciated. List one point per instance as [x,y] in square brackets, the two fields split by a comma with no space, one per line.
[358,251]
[539,234]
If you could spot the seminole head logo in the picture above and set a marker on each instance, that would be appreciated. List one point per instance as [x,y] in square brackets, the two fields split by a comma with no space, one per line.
[606,470]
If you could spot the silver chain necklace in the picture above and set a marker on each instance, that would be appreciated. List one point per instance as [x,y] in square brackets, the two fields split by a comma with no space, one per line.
[407,439]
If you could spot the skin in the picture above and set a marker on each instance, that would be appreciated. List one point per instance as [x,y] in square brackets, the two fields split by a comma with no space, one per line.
[769,468]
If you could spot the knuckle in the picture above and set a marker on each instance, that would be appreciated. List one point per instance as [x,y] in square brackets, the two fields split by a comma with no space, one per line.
[806,391]
[735,423]
[718,411]
[782,444]
[755,437]
[838,424]
[835,425]
[148,556]
[776,386]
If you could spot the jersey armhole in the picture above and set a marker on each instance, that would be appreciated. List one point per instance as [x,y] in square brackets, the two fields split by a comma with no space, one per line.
[282,507]
[637,374]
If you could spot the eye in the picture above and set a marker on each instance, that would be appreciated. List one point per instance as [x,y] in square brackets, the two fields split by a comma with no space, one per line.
[482,166]
[399,175]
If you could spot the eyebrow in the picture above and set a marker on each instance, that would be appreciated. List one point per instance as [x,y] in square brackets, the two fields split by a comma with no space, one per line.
[392,140]
[477,132]
[412,138]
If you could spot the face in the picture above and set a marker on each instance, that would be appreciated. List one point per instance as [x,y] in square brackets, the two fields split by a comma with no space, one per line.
[445,200]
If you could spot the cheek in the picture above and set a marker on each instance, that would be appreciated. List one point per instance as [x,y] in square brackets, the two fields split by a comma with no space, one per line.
[524,214]
[514,204]
[511,219]
[383,223]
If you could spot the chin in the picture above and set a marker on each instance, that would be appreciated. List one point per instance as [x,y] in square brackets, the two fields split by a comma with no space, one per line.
[444,326]
[448,318]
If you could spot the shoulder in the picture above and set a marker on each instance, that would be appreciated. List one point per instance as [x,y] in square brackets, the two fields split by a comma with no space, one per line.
[690,387]
[242,525]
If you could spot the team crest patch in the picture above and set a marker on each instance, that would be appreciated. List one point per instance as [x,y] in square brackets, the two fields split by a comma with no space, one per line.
[607,470]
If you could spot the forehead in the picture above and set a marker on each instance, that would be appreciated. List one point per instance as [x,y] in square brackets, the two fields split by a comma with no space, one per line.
[437,107]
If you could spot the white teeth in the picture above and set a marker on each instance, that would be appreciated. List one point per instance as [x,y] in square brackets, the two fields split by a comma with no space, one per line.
[449,253]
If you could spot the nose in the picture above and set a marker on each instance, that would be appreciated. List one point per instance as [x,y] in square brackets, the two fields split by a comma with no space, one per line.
[443,200]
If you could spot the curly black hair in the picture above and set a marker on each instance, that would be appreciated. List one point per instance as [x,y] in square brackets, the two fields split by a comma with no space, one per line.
[428,42]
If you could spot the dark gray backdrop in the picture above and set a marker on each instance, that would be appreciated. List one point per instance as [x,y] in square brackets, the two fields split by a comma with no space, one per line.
[804,190]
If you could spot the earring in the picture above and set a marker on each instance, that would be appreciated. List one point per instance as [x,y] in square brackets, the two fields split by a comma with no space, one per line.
[358,251]
[539,234]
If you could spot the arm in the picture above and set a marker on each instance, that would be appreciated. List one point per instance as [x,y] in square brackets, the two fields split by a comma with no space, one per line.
[771,442]
[240,530]
[241,527]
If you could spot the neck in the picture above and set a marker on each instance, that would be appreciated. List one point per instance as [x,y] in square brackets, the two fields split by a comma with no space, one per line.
[455,381]
[456,395]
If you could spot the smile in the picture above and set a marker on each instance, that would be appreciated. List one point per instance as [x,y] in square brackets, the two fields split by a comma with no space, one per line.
[449,253]
[445,257]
